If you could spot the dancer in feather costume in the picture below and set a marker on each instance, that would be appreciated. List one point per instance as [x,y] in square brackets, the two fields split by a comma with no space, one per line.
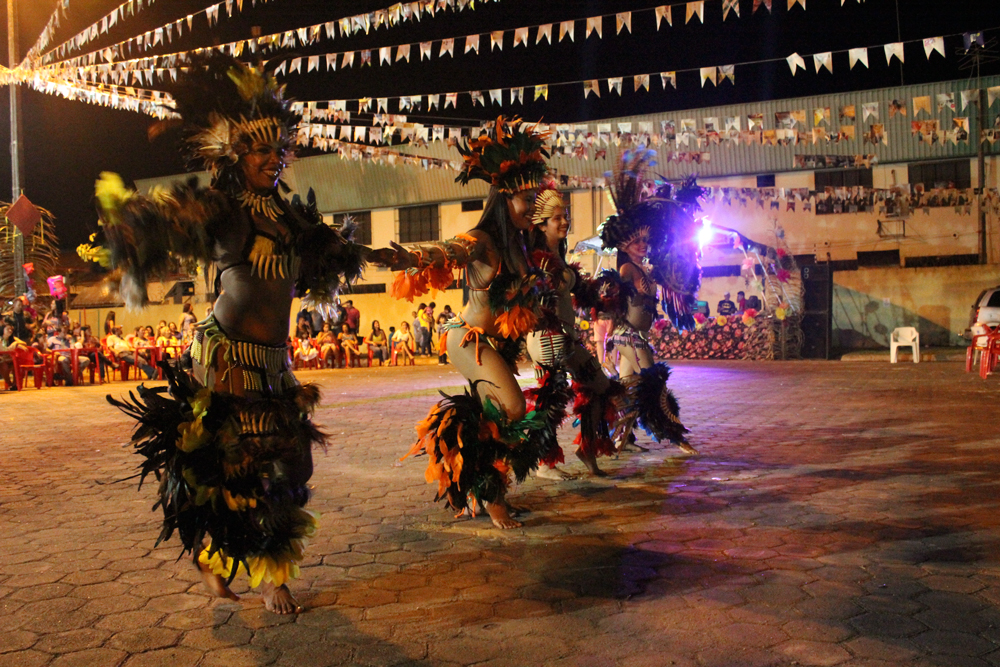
[477,441]
[659,230]
[555,348]
[231,446]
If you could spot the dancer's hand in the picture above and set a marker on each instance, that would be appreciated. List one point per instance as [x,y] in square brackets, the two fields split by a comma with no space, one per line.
[395,257]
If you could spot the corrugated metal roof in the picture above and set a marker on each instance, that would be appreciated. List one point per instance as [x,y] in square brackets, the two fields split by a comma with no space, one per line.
[348,185]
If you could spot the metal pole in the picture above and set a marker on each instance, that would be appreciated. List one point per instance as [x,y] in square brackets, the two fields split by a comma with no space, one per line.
[16,166]
[983,255]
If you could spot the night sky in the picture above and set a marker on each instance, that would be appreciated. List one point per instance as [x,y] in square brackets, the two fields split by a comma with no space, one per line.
[66,144]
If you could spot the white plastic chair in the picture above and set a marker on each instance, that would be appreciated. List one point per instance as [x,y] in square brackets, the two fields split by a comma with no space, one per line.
[904,337]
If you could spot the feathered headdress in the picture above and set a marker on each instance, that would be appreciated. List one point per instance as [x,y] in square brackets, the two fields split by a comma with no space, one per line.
[634,215]
[546,203]
[510,157]
[225,107]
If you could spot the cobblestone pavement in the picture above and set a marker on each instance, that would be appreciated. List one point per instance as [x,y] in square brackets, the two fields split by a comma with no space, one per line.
[838,514]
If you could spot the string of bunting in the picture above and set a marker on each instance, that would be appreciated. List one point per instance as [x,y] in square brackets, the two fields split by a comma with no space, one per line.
[715,75]
[127,9]
[388,17]
[593,25]
[142,72]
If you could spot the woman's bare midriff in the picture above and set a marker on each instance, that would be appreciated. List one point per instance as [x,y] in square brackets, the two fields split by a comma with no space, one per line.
[253,309]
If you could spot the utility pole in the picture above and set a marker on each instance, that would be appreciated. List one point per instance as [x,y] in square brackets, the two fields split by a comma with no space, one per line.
[976,52]
[16,152]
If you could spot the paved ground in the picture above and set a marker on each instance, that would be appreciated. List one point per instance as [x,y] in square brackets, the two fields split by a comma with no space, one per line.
[839,514]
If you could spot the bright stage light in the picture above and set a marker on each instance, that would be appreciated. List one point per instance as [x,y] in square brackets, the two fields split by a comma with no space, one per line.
[706,233]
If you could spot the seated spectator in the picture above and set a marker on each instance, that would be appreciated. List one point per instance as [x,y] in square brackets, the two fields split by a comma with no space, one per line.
[306,351]
[329,349]
[94,353]
[741,302]
[348,344]
[378,343]
[122,351]
[726,307]
[303,329]
[403,343]
[8,343]
[59,344]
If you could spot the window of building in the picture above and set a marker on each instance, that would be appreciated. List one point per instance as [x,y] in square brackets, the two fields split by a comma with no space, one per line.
[843,178]
[944,174]
[472,205]
[418,223]
[765,181]
[878,258]
[363,223]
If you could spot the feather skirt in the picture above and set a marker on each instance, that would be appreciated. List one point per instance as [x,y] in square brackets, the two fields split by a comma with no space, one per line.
[232,468]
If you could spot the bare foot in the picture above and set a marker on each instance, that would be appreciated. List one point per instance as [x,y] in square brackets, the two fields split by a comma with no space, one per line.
[501,516]
[552,472]
[279,599]
[216,584]
[686,447]
[632,447]
[591,463]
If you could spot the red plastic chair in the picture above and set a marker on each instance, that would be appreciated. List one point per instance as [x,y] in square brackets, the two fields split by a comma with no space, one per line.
[978,347]
[25,363]
[395,348]
[988,358]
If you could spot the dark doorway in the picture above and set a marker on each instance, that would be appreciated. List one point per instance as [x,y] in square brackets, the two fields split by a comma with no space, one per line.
[817,315]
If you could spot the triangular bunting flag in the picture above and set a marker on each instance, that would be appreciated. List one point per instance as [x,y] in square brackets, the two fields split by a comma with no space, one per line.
[858,56]
[727,72]
[668,77]
[728,6]
[542,92]
[313,63]
[894,50]
[992,93]
[932,44]
[795,62]
[566,28]
[496,40]
[403,52]
[595,24]
[384,55]
[792,3]
[472,44]
[640,81]
[592,86]
[450,98]
[496,95]
[663,12]
[347,60]
[969,97]
[708,74]
[758,3]
[425,50]
[544,31]
[520,36]
[517,94]
[695,9]
[615,85]
[447,46]
[821,60]
[623,20]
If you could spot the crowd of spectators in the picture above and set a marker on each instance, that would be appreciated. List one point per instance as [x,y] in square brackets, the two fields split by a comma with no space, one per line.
[337,342]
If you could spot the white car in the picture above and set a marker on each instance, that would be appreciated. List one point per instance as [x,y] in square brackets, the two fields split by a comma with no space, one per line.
[986,310]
